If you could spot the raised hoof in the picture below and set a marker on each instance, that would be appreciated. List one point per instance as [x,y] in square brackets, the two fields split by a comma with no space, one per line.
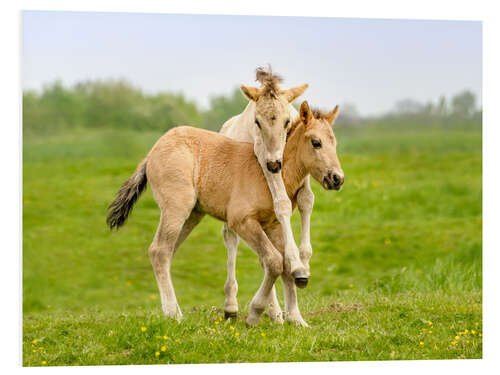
[230,315]
[301,278]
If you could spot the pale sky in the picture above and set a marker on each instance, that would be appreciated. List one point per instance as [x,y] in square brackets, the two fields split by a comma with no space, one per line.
[371,63]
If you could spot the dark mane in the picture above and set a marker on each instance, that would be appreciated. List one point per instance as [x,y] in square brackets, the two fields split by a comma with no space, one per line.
[318,114]
[270,81]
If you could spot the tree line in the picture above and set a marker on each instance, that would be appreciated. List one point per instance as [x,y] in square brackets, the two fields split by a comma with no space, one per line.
[116,104]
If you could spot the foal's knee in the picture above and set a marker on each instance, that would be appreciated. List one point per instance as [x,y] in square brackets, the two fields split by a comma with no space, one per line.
[274,264]
[305,199]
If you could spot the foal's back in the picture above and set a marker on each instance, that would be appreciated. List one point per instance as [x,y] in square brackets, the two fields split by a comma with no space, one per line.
[223,174]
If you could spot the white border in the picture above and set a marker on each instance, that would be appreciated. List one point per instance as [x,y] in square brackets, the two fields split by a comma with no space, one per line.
[10,91]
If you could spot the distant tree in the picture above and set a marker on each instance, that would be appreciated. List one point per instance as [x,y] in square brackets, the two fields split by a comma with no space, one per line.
[222,108]
[408,106]
[464,104]
[348,114]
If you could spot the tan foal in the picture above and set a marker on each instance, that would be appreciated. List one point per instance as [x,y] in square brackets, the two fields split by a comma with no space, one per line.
[193,172]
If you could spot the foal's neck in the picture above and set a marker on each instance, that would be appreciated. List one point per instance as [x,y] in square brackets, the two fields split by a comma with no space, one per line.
[294,171]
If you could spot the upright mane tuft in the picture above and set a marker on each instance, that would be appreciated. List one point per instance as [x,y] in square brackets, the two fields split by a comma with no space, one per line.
[270,81]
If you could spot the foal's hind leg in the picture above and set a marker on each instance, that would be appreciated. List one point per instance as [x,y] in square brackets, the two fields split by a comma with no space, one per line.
[231,240]
[176,223]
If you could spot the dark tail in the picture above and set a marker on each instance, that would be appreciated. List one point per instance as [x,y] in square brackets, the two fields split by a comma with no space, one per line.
[128,194]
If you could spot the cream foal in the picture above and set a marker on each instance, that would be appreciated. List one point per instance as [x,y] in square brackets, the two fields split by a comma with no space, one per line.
[193,172]
[256,124]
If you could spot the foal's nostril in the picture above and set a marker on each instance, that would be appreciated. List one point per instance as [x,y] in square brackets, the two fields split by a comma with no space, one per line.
[274,166]
[336,179]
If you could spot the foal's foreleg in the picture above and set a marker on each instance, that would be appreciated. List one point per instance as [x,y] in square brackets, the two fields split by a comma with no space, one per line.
[272,261]
[283,210]
[305,203]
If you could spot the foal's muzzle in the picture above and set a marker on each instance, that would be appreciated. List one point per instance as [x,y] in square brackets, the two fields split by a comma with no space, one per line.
[274,166]
[333,180]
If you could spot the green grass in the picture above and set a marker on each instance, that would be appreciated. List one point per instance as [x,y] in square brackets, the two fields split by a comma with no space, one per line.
[398,247]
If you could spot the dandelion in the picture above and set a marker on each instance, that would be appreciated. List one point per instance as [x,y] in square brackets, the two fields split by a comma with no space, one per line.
[231,328]
[466,331]
[213,330]
[472,331]
[421,343]
[177,340]
[163,348]
[236,334]
[468,341]
[424,329]
[480,335]
[430,331]
[34,342]
[220,318]
[457,338]
[34,350]
[44,362]
[453,343]
[165,337]
[41,348]
[429,323]
[143,329]
[216,322]
[157,354]
[263,334]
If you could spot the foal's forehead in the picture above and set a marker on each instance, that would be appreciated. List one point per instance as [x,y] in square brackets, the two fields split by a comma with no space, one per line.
[321,128]
[271,106]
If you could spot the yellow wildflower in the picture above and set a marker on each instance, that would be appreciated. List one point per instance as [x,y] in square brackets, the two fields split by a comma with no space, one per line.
[216,322]
[468,341]
[34,350]
[421,343]
[143,329]
[220,318]
[165,337]
[453,342]
[213,329]
[435,347]
[35,342]
[157,354]
[457,338]
[231,328]
[236,334]
[429,323]
[466,331]
[480,335]
[163,348]
[263,334]
[44,362]
[430,331]
[472,331]
[177,340]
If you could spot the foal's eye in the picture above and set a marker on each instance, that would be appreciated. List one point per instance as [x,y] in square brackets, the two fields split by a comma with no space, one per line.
[316,143]
[287,123]
[257,123]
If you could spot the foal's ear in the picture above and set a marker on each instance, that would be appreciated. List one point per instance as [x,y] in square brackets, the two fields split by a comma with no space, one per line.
[305,113]
[332,115]
[252,93]
[293,93]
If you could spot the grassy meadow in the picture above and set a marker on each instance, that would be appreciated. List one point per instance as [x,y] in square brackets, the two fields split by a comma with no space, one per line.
[396,266]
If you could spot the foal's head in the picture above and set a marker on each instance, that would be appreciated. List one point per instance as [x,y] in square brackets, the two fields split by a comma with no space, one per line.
[318,147]
[272,115]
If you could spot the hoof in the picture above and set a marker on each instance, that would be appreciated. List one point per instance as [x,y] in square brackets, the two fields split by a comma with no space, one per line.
[230,315]
[301,278]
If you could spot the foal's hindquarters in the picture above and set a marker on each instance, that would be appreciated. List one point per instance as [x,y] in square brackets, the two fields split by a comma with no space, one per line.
[193,172]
